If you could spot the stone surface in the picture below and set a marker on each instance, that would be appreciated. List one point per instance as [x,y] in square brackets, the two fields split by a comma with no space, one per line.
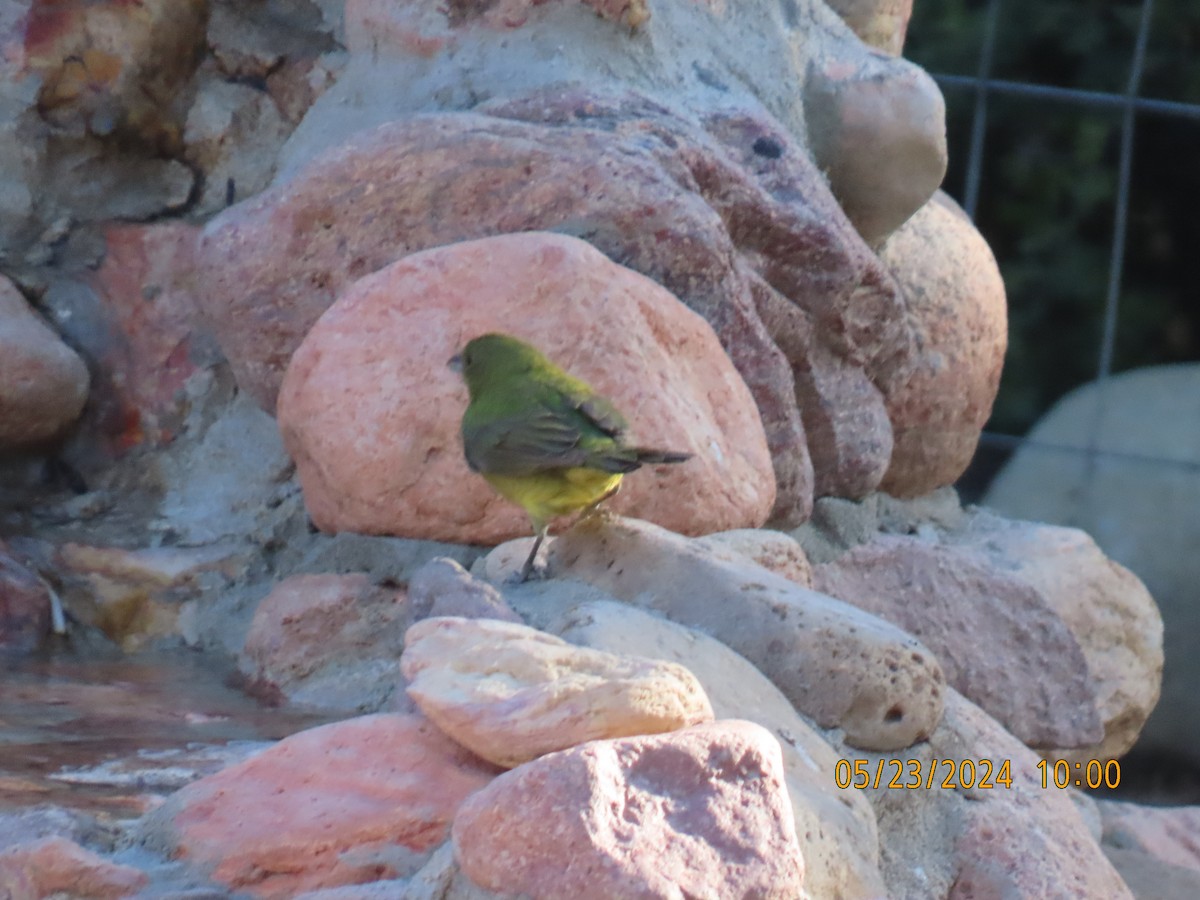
[701,812]
[880,23]
[1108,610]
[877,126]
[955,296]
[370,411]
[1169,835]
[889,696]
[1137,498]
[775,551]
[1000,642]
[55,866]
[327,642]
[1150,879]
[43,382]
[511,693]
[960,843]
[362,799]
[442,587]
[24,605]
[749,238]
[835,828]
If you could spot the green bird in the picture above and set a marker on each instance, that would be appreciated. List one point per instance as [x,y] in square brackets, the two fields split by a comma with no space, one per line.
[542,438]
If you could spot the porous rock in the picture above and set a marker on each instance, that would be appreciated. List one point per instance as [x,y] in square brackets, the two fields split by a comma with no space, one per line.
[699,812]
[56,866]
[371,412]
[511,693]
[889,696]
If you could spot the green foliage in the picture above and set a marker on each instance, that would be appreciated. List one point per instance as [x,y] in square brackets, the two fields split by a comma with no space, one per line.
[1049,177]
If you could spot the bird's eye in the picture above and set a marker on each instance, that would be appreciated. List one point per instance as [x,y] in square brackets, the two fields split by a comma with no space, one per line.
[466,359]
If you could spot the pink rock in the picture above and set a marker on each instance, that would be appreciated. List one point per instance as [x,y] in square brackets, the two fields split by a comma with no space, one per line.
[773,550]
[43,382]
[1169,834]
[55,866]
[155,343]
[442,587]
[287,819]
[955,298]
[330,641]
[732,217]
[511,693]
[370,411]
[697,813]
[998,640]
[24,605]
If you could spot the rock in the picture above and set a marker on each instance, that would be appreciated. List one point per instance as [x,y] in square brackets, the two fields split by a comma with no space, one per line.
[798,638]
[324,807]
[880,23]
[877,126]
[386,341]
[24,606]
[510,693]
[1139,418]
[1166,834]
[751,239]
[109,69]
[233,135]
[1149,879]
[1110,613]
[701,812]
[145,337]
[955,297]
[327,642]
[55,866]
[442,587]
[133,596]
[835,828]
[1000,642]
[773,550]
[1018,841]
[43,382]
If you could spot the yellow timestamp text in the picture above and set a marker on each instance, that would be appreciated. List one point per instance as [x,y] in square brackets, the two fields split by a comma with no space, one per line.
[917,774]
[1093,773]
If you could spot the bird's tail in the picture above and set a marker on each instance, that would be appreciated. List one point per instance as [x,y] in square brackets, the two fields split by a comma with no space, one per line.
[647,455]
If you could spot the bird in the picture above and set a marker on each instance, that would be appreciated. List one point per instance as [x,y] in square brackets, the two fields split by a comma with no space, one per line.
[542,438]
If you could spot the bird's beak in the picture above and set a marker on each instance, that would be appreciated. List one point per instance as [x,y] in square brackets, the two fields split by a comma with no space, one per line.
[455,363]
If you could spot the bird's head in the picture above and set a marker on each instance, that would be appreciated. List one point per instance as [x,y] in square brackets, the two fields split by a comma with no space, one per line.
[492,356]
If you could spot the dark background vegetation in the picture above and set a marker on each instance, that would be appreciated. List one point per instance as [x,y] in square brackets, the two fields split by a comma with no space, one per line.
[1049,177]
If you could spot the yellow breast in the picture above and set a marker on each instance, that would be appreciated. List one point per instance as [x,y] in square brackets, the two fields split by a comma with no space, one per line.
[558,492]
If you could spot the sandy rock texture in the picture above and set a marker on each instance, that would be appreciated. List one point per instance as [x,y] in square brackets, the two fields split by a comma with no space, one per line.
[511,693]
[702,811]
[370,411]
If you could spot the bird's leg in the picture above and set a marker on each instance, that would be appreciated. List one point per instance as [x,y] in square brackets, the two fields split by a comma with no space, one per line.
[527,569]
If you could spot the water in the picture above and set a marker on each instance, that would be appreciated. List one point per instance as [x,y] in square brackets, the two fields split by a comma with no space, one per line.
[111,736]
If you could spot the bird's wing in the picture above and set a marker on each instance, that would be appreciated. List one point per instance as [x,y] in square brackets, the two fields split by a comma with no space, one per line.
[549,436]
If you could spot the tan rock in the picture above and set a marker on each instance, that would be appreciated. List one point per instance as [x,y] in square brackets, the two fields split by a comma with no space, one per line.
[511,693]
[327,642]
[889,697]
[43,382]
[775,551]
[999,641]
[970,842]
[55,866]
[1109,611]
[835,828]
[955,298]
[370,411]
[880,23]
[701,812]
[877,126]
[324,807]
